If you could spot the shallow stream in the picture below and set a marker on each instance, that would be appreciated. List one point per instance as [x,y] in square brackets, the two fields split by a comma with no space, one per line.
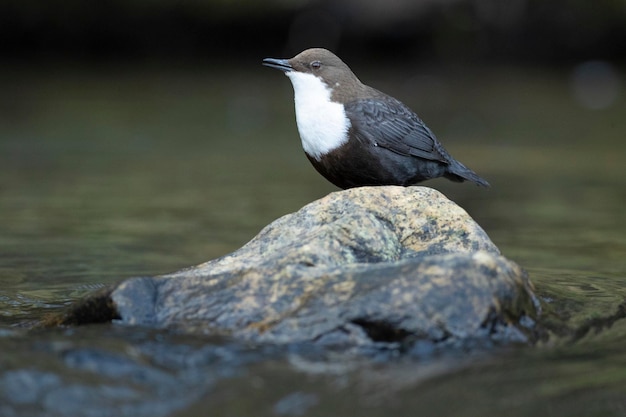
[118,172]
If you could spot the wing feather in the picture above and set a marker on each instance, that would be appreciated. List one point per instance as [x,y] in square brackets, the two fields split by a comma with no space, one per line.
[390,124]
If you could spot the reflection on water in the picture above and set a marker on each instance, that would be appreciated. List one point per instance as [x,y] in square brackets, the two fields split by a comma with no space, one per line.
[596,84]
[115,174]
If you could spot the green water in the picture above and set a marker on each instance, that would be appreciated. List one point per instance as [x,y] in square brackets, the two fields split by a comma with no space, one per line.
[111,173]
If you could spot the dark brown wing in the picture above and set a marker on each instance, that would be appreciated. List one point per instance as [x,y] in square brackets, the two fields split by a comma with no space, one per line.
[390,124]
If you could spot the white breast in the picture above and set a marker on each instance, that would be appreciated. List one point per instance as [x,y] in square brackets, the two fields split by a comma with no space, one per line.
[322,124]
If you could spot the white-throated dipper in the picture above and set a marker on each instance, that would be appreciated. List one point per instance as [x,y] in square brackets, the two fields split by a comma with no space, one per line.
[355,135]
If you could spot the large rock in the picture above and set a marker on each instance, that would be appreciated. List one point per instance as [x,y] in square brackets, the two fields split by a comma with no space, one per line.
[359,267]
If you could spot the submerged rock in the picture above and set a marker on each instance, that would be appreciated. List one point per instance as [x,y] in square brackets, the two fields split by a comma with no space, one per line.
[361,267]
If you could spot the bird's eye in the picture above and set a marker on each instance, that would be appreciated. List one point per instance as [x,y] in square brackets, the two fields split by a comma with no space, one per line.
[316,64]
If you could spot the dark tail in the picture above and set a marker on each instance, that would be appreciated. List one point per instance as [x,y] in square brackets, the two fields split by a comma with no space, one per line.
[459,172]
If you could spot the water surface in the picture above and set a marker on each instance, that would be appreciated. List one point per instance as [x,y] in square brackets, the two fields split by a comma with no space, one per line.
[112,173]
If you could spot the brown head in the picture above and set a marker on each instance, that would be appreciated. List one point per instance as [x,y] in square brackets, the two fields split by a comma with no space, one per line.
[325,65]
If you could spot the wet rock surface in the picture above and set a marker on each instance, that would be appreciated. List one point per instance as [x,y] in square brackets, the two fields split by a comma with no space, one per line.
[105,370]
[111,370]
[362,268]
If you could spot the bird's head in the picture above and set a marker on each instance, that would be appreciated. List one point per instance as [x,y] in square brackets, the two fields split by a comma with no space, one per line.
[318,63]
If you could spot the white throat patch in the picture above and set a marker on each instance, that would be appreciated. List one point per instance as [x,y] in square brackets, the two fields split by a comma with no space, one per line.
[322,124]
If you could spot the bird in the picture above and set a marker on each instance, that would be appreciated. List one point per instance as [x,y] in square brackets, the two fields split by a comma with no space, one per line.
[355,135]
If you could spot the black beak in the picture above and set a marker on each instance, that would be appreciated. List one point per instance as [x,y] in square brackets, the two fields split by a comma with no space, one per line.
[281,64]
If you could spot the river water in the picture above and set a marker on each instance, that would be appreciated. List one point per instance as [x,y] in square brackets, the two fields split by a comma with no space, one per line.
[116,172]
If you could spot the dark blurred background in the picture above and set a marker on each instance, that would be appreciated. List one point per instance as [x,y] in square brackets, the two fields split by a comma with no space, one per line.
[172,31]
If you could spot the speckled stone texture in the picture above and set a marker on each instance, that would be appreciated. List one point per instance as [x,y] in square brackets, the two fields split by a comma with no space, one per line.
[362,267]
